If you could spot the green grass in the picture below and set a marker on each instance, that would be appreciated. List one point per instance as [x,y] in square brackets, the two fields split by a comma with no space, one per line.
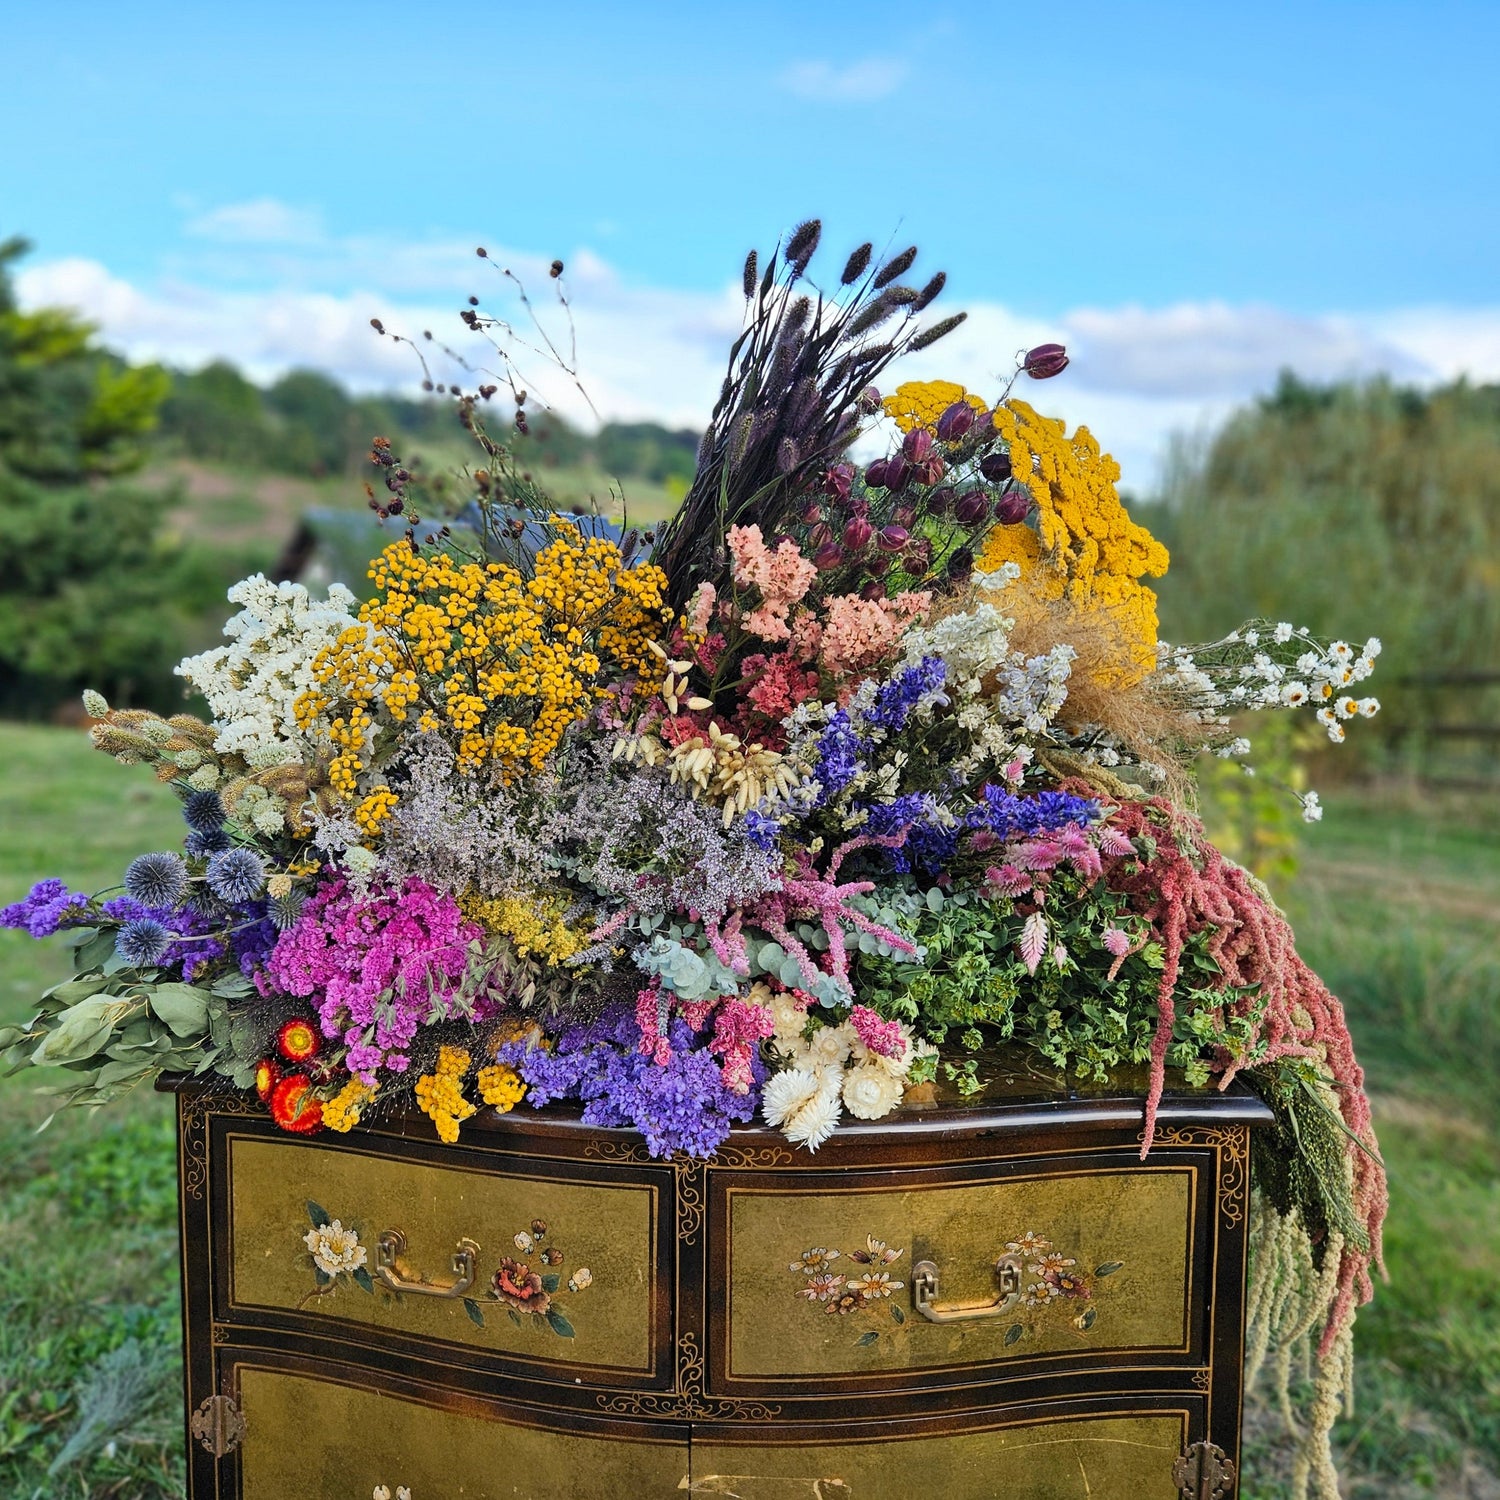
[1393,905]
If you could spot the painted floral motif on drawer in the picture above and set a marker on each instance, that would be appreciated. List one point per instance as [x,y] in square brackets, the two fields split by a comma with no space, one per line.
[862,1282]
[525,1284]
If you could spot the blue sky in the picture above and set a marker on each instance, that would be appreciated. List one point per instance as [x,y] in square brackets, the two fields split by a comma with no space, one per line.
[1190,195]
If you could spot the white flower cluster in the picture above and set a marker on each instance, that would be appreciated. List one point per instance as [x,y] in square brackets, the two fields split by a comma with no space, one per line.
[1254,668]
[253,684]
[826,1073]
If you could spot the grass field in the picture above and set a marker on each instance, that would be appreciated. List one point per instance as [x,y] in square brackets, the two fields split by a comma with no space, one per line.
[1395,904]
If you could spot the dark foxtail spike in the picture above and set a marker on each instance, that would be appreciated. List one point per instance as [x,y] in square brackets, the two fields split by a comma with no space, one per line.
[929,336]
[897,265]
[857,263]
[747,281]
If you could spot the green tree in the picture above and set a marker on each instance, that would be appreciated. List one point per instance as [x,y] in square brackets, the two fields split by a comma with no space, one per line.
[91,591]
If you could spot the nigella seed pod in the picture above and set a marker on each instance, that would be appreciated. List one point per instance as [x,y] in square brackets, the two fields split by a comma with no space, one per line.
[971,508]
[820,535]
[940,501]
[956,422]
[918,555]
[857,534]
[961,565]
[829,555]
[874,590]
[995,467]
[930,470]
[877,475]
[878,565]
[868,401]
[812,513]
[838,480]
[893,538]
[1012,507]
[897,472]
[917,444]
[1045,361]
[904,515]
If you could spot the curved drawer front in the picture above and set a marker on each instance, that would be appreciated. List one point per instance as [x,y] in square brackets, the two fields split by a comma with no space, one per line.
[315,1438]
[559,1270]
[1068,1459]
[829,1276]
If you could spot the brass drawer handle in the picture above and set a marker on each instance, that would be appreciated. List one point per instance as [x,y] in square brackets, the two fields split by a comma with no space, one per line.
[392,1242]
[924,1292]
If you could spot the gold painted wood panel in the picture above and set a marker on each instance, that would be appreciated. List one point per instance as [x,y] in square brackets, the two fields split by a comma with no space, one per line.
[1099,1458]
[316,1439]
[820,1282]
[597,1251]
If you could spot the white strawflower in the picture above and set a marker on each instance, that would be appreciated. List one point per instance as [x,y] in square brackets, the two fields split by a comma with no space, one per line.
[335,1248]
[829,1046]
[871,1092]
[803,1104]
[788,1018]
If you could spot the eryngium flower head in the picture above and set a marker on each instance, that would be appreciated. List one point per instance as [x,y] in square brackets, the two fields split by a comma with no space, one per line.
[156,879]
[236,875]
[1045,361]
[201,845]
[285,911]
[142,942]
[204,811]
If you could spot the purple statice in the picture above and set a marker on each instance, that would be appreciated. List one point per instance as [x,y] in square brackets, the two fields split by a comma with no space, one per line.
[253,937]
[46,907]
[907,690]
[379,965]
[195,938]
[838,756]
[681,1104]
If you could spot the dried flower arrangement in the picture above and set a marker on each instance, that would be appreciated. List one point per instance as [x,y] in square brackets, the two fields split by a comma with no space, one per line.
[775,812]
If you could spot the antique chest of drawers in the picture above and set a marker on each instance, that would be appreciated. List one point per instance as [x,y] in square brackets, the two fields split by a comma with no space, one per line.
[975,1300]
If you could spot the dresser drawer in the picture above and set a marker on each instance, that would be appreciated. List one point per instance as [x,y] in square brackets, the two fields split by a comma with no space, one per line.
[481,1260]
[328,1434]
[957,1275]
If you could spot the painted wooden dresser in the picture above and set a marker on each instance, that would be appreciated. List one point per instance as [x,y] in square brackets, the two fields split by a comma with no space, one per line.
[969,1301]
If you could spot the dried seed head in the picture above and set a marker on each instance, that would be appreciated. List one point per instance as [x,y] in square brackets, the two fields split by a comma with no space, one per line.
[929,336]
[929,293]
[857,263]
[747,280]
[1045,361]
[482,253]
[896,266]
[803,244]
[377,325]
[555,269]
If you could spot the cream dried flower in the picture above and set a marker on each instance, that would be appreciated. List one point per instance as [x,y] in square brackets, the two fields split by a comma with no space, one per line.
[871,1092]
[335,1248]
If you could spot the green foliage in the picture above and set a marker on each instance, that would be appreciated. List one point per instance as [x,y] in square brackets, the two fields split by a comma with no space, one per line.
[1353,509]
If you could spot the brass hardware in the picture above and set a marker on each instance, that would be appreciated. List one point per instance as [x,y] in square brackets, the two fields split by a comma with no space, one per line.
[392,1243]
[924,1291]
[219,1425]
[1204,1473]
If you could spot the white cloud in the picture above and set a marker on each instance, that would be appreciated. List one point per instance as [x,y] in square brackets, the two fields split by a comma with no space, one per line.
[262,221]
[861,82]
[1138,374]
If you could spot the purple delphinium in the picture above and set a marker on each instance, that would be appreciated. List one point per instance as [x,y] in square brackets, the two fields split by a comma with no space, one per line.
[681,1105]
[908,689]
[46,907]
[838,760]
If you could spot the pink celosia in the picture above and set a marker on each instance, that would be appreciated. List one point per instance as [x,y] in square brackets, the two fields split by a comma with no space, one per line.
[651,1017]
[782,576]
[862,633]
[739,1028]
[777,684]
[885,1037]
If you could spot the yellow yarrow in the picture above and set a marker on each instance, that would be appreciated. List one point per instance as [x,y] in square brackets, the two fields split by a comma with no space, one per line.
[499,663]
[440,1093]
[1085,541]
[919,403]
[501,1087]
[342,1112]
[532,921]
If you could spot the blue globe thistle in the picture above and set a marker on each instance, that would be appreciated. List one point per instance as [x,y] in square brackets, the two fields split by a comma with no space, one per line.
[204,812]
[236,875]
[201,845]
[142,942]
[284,912]
[156,879]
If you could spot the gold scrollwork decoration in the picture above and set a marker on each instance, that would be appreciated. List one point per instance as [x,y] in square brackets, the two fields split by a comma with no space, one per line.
[1203,1379]
[1233,1145]
[688,1402]
[195,1110]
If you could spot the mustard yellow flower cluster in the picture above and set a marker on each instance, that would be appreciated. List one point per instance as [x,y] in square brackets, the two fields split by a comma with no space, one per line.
[1090,547]
[532,921]
[375,809]
[500,663]
[501,1087]
[342,1112]
[919,403]
[440,1094]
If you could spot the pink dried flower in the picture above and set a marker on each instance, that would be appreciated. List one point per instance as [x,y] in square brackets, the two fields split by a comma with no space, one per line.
[862,633]
[782,576]
[1117,941]
[885,1037]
